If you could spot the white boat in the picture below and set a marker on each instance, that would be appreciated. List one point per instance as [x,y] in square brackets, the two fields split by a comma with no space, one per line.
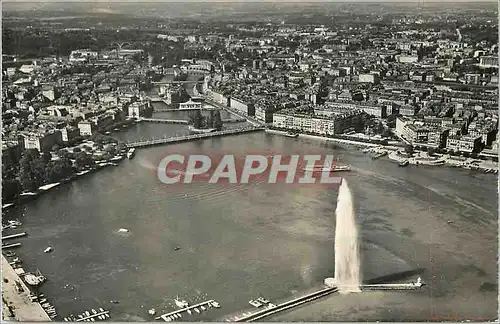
[123,230]
[180,303]
[152,311]
[189,311]
[197,310]
[101,310]
[255,303]
[215,304]
[87,313]
[33,280]
[94,311]
[202,307]
[107,315]
[335,168]
[48,249]
[130,153]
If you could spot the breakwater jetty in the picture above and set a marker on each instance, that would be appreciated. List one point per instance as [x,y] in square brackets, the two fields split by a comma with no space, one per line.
[272,309]
[179,139]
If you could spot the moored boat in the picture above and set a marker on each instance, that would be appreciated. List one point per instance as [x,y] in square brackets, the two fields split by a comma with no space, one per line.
[404,163]
[130,153]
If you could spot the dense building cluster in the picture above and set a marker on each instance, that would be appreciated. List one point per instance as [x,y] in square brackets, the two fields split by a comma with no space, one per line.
[431,87]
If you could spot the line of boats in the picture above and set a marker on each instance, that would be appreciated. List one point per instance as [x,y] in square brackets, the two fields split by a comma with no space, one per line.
[261,301]
[89,316]
[184,306]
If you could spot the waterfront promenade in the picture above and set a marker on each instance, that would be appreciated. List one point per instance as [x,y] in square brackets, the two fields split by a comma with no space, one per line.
[20,302]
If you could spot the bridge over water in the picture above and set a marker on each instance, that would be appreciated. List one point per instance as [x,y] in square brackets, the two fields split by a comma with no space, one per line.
[171,140]
[183,109]
[177,82]
[185,122]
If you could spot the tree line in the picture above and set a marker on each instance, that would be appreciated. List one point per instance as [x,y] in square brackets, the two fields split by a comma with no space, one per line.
[199,121]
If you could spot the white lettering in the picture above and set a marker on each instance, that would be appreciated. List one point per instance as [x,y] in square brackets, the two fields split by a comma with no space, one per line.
[162,168]
[249,169]
[227,161]
[191,168]
[290,169]
[325,175]
[310,163]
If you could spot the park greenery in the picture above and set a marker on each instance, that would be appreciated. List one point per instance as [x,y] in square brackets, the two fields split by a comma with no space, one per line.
[36,169]
[197,120]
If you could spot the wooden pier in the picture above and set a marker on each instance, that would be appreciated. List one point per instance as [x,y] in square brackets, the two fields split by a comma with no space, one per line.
[8,246]
[91,316]
[164,316]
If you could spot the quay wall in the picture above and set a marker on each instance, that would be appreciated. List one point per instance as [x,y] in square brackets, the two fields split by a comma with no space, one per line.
[20,302]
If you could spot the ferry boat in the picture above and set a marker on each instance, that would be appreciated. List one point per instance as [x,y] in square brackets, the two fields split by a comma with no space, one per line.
[404,163]
[180,303]
[130,153]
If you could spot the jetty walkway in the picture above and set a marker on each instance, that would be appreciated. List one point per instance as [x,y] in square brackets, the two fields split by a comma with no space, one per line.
[272,309]
[171,140]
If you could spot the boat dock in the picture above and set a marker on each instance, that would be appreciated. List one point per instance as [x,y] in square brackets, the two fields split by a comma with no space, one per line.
[13,245]
[271,309]
[165,316]
[87,318]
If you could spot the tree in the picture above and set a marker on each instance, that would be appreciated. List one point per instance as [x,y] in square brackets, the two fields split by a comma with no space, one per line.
[82,160]
[409,149]
[217,121]
[196,119]
[210,120]
[431,151]
[46,157]
[25,173]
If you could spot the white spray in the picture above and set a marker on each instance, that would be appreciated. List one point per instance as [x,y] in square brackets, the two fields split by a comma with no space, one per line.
[347,257]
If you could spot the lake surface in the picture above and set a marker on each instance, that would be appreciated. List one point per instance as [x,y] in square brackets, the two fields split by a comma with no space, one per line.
[236,241]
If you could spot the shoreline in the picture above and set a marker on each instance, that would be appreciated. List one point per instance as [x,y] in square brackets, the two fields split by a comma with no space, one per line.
[441,160]
[445,160]
[25,197]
